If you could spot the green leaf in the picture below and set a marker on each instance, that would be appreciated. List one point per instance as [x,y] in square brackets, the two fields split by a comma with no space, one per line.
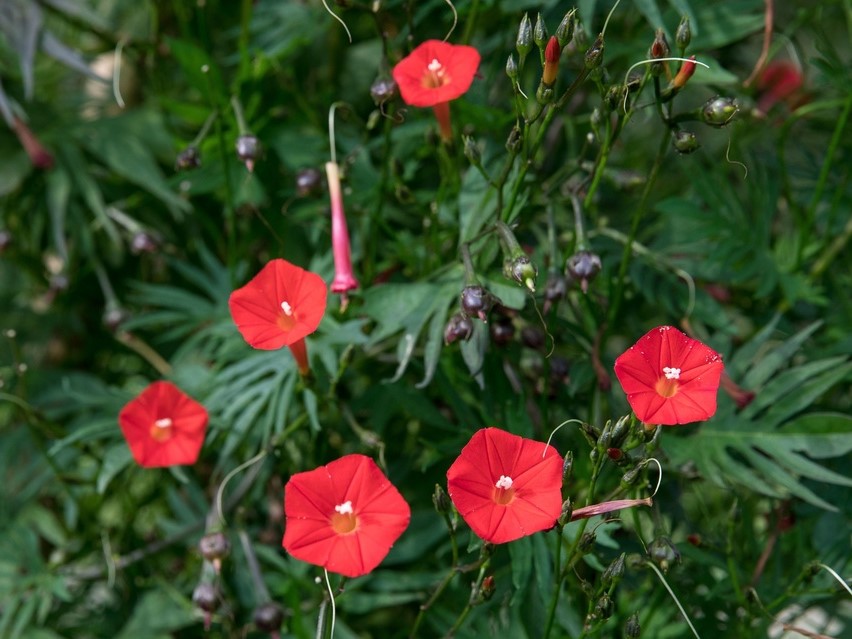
[116,459]
[157,615]
[521,555]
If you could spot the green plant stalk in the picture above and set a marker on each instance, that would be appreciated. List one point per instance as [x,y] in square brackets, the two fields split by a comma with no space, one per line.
[833,145]
[569,557]
[472,15]
[470,602]
[638,214]
[533,148]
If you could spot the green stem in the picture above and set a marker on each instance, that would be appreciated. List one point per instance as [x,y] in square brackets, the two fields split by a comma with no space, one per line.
[810,212]
[472,600]
[473,12]
[557,586]
[638,214]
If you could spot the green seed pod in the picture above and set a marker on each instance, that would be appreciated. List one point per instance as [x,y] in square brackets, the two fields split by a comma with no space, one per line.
[614,572]
[718,111]
[683,35]
[594,54]
[632,629]
[685,142]
[565,30]
[540,35]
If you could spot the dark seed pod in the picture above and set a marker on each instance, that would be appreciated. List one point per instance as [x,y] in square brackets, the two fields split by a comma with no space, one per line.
[214,546]
[308,181]
[187,159]
[663,552]
[459,327]
[382,90]
[476,301]
[248,149]
[583,266]
[268,617]
[532,337]
[206,597]
[502,331]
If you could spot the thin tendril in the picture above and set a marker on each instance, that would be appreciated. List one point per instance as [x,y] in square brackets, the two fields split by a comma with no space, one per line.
[455,20]
[651,61]
[677,603]
[730,161]
[116,75]
[611,11]
[331,130]
[553,432]
[337,17]
[228,478]
[690,284]
[659,477]
[544,326]
[840,579]
[331,599]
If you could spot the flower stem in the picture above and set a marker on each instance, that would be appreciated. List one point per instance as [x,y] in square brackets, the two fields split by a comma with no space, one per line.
[442,113]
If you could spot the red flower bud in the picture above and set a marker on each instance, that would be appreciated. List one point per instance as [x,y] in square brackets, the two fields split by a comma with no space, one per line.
[551,61]
[686,71]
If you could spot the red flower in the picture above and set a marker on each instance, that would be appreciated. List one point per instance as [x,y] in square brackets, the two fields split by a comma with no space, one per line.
[780,82]
[670,378]
[279,307]
[435,73]
[163,426]
[343,516]
[505,486]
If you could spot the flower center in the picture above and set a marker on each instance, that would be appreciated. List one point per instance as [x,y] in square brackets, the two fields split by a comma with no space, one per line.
[161,430]
[504,491]
[344,521]
[435,75]
[287,319]
[667,386]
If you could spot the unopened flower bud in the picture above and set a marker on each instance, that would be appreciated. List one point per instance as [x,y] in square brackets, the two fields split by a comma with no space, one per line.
[630,478]
[524,41]
[440,500]
[565,30]
[486,590]
[382,90]
[615,454]
[659,49]
[614,571]
[471,151]
[476,301]
[565,512]
[567,467]
[592,433]
[502,331]
[603,607]
[308,181]
[521,270]
[594,54]
[718,111]
[685,72]
[551,61]
[268,617]
[514,141]
[620,430]
[459,327]
[540,32]
[512,67]
[583,266]
[248,149]
[632,629]
[685,142]
[187,159]
[587,542]
[206,597]
[663,553]
[683,35]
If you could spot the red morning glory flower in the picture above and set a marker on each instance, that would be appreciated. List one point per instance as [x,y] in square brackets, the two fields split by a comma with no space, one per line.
[670,378]
[279,307]
[343,516]
[505,486]
[434,73]
[163,426]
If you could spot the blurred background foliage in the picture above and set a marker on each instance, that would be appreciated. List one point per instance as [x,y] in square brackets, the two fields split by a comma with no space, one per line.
[115,270]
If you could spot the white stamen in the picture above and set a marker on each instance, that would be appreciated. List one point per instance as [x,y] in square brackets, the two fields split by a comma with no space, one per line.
[671,373]
[288,310]
[435,65]
[163,423]
[345,508]
[504,482]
